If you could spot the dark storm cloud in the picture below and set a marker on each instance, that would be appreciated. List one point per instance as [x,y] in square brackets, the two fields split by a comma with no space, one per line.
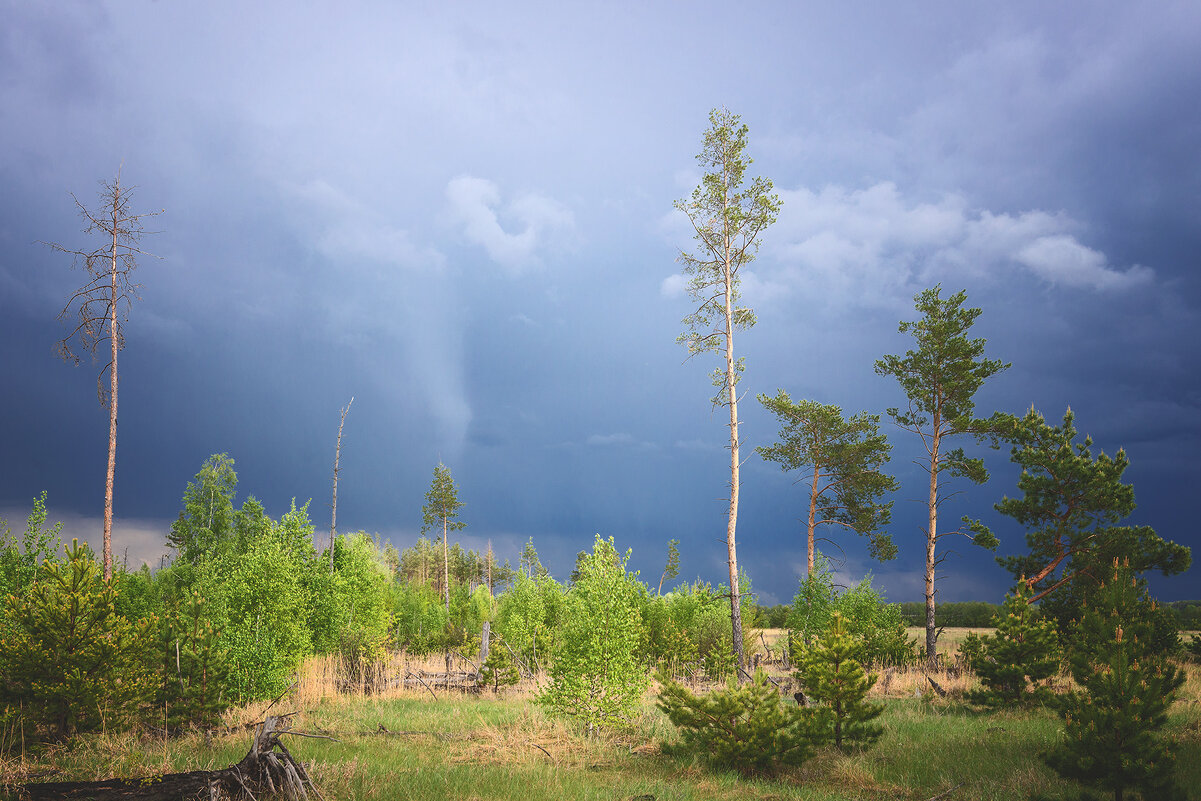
[463,220]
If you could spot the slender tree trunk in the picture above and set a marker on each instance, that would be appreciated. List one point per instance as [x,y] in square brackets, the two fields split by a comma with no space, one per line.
[931,538]
[812,522]
[112,401]
[445,566]
[333,517]
[732,521]
[490,557]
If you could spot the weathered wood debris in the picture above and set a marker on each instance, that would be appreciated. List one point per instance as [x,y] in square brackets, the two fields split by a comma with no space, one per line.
[268,771]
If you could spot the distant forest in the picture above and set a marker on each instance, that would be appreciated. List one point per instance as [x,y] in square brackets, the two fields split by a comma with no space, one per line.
[976,614]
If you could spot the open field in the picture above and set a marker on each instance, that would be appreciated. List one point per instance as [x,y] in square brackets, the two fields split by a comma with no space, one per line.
[411,746]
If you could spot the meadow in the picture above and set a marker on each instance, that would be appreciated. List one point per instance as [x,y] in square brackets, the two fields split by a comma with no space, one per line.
[422,744]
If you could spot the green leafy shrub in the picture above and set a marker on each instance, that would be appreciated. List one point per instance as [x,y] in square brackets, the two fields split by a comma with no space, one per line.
[832,674]
[1023,652]
[596,674]
[67,658]
[878,624]
[745,728]
[1112,728]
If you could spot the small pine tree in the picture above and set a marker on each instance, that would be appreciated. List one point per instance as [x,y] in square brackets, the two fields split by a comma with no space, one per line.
[597,674]
[67,657]
[1023,652]
[1111,729]
[195,675]
[831,672]
[746,728]
[499,669]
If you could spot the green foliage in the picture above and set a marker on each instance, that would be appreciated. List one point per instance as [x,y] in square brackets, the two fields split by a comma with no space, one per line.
[351,608]
[832,674]
[1112,728]
[19,561]
[672,568]
[499,669]
[1023,652]
[941,377]
[596,674]
[420,621]
[877,624]
[528,616]
[973,614]
[196,668]
[441,511]
[728,217]
[745,728]
[530,564]
[265,599]
[845,456]
[971,651]
[1070,504]
[206,523]
[1193,648]
[66,657]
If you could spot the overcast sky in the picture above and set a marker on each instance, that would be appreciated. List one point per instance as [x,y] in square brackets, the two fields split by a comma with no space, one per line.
[461,215]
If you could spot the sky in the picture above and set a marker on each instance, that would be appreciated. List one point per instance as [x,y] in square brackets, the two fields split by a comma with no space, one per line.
[461,216]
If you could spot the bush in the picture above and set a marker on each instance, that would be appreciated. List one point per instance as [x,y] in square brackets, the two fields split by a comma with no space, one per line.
[747,728]
[596,674]
[878,624]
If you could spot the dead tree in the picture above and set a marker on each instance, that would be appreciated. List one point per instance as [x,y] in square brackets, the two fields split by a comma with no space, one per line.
[102,305]
[267,771]
[333,518]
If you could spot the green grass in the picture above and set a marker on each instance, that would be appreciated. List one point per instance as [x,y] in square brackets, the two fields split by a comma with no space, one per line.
[483,748]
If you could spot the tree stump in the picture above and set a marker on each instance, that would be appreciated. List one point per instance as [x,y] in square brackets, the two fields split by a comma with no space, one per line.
[267,771]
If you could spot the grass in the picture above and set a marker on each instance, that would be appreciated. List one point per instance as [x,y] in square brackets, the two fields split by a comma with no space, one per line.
[409,746]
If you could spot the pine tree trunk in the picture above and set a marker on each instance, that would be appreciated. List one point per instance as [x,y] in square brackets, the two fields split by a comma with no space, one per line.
[812,522]
[931,538]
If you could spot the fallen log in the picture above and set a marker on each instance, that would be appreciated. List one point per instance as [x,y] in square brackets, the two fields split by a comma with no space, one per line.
[267,771]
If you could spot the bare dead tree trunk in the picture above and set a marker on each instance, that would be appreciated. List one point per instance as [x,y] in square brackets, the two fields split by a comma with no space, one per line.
[97,302]
[114,343]
[333,518]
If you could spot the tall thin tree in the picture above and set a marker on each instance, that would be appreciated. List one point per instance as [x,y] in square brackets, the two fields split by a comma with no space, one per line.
[102,306]
[727,218]
[441,508]
[941,378]
[333,517]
